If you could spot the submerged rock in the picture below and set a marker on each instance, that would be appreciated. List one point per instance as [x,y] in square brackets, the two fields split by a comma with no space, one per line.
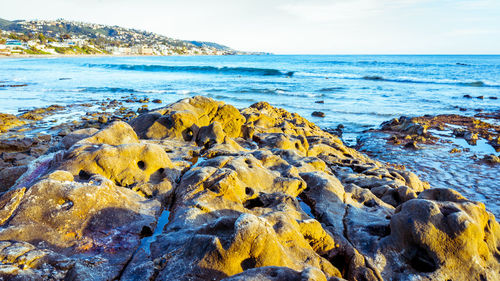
[491,159]
[406,131]
[252,194]
[318,114]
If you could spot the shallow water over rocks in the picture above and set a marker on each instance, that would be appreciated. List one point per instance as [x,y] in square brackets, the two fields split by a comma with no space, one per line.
[463,171]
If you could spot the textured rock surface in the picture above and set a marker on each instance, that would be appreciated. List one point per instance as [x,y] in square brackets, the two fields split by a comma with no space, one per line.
[199,190]
[8,121]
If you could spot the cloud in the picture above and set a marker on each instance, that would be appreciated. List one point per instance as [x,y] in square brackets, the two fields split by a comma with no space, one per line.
[332,11]
[472,32]
[342,10]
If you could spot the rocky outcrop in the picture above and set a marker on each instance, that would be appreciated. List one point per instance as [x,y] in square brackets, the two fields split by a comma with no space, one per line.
[8,121]
[410,131]
[199,190]
[182,120]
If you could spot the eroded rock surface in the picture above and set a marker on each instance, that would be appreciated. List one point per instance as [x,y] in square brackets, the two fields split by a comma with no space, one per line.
[199,190]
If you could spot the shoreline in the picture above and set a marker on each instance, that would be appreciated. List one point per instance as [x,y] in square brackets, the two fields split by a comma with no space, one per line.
[110,55]
[248,179]
[409,140]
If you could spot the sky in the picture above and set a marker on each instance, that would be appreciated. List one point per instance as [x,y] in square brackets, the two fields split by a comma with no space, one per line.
[295,26]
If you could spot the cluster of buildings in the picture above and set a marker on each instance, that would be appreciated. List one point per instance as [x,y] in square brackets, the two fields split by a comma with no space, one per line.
[72,37]
[161,50]
[15,46]
[12,46]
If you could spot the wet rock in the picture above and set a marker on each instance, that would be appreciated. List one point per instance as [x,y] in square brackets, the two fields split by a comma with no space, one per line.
[469,128]
[102,119]
[40,113]
[8,121]
[279,273]
[491,159]
[318,114]
[495,143]
[75,136]
[469,136]
[412,145]
[13,85]
[409,126]
[9,176]
[16,145]
[424,229]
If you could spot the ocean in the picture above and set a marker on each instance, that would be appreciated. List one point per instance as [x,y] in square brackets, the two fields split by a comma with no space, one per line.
[358,91]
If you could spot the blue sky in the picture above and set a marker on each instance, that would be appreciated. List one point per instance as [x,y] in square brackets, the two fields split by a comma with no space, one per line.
[296,26]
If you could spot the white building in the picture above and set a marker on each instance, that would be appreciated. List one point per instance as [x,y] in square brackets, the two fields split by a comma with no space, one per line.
[119,50]
[58,44]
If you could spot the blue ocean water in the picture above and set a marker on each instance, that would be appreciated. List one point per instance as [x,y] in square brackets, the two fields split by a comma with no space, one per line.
[359,91]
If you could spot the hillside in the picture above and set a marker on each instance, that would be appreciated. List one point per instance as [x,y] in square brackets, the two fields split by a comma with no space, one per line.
[68,37]
[4,23]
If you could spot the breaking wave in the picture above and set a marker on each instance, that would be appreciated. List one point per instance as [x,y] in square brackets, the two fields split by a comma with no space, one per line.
[197,69]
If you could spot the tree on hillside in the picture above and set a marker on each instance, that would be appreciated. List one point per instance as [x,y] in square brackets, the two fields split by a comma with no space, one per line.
[42,38]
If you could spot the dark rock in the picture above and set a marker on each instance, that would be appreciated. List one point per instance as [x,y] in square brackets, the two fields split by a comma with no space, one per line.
[412,144]
[318,114]
[102,119]
[16,145]
[9,176]
[8,121]
[491,159]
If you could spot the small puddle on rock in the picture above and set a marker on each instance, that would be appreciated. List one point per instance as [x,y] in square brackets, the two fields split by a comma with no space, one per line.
[462,171]
[305,208]
[198,162]
[146,241]
[481,147]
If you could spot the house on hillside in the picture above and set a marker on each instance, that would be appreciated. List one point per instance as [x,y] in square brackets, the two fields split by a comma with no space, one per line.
[13,42]
[75,42]
[4,50]
[119,50]
[142,50]
[59,44]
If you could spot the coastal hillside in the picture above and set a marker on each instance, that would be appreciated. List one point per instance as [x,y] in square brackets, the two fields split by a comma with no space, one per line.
[70,37]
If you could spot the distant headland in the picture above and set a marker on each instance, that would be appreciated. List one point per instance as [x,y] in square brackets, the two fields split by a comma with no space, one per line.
[63,37]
